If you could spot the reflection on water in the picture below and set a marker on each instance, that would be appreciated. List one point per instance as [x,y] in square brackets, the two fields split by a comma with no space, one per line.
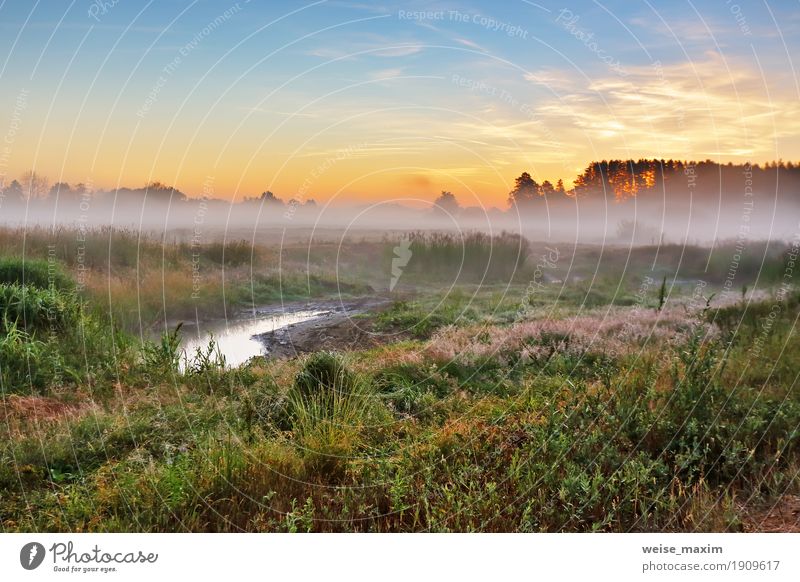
[235,337]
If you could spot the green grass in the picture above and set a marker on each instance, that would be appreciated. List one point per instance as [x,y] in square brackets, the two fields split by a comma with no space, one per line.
[36,273]
[470,257]
[421,318]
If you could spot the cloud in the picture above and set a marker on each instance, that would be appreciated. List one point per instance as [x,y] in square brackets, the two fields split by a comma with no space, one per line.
[686,30]
[681,110]
[468,43]
[383,74]
[418,181]
[556,79]
[398,51]
[368,45]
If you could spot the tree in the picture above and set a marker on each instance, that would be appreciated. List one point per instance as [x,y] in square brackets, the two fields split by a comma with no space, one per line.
[160,191]
[33,185]
[14,192]
[525,191]
[560,186]
[547,188]
[270,198]
[59,189]
[446,203]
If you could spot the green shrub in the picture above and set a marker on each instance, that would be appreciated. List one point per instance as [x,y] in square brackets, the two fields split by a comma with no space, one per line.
[469,257]
[39,273]
[163,358]
[331,407]
[47,338]
[38,310]
[324,373]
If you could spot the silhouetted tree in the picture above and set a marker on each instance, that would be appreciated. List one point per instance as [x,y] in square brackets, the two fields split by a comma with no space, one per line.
[13,192]
[58,190]
[270,198]
[446,203]
[162,192]
[34,185]
[525,191]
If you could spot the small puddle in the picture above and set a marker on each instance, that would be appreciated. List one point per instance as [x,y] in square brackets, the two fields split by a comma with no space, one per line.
[235,338]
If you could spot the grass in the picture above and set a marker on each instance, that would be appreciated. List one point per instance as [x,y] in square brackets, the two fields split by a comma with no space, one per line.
[421,318]
[475,416]
[36,273]
[48,337]
[141,281]
[470,257]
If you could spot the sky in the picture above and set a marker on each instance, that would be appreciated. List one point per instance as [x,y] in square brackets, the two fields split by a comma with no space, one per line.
[372,101]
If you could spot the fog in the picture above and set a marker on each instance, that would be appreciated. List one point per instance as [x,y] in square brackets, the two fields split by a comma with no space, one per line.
[687,203]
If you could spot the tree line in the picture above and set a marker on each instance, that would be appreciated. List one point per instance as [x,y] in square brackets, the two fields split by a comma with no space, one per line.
[626,179]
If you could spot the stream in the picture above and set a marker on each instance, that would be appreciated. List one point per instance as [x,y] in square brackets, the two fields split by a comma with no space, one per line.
[236,338]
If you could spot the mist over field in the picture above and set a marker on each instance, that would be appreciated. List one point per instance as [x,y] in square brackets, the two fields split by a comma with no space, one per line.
[646,202]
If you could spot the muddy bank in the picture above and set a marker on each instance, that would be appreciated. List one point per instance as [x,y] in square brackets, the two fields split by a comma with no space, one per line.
[337,327]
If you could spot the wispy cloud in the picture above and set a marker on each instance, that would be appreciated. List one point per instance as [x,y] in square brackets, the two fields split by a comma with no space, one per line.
[369,45]
[471,44]
[383,74]
[273,112]
[679,110]
[551,78]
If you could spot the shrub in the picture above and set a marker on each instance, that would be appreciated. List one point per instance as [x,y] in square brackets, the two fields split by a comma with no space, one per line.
[472,257]
[40,333]
[34,309]
[330,408]
[163,358]
[34,273]
[324,373]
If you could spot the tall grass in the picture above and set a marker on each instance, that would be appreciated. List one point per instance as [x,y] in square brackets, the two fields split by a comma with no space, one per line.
[35,272]
[143,280]
[470,257]
[48,338]
[330,409]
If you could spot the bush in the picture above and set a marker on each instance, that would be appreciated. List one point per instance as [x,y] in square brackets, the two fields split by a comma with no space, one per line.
[330,408]
[38,310]
[34,273]
[163,358]
[472,257]
[324,373]
[47,339]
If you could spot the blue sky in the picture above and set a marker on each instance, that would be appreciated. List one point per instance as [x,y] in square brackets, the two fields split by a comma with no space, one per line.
[405,97]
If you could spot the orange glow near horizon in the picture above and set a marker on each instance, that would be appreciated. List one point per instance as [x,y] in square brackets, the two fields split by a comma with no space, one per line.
[389,137]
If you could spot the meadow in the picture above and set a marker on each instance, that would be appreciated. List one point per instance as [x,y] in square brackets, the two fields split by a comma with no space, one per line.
[536,387]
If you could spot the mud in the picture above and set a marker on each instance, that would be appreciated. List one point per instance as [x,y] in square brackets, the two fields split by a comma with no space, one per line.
[342,327]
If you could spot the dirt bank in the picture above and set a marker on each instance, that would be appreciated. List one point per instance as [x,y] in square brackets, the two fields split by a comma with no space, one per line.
[340,328]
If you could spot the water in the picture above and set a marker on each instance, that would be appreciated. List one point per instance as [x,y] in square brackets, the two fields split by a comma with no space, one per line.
[234,338]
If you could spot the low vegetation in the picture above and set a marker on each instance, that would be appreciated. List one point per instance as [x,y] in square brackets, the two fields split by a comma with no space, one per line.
[492,407]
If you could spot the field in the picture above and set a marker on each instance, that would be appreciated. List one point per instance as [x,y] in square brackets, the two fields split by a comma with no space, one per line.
[507,385]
